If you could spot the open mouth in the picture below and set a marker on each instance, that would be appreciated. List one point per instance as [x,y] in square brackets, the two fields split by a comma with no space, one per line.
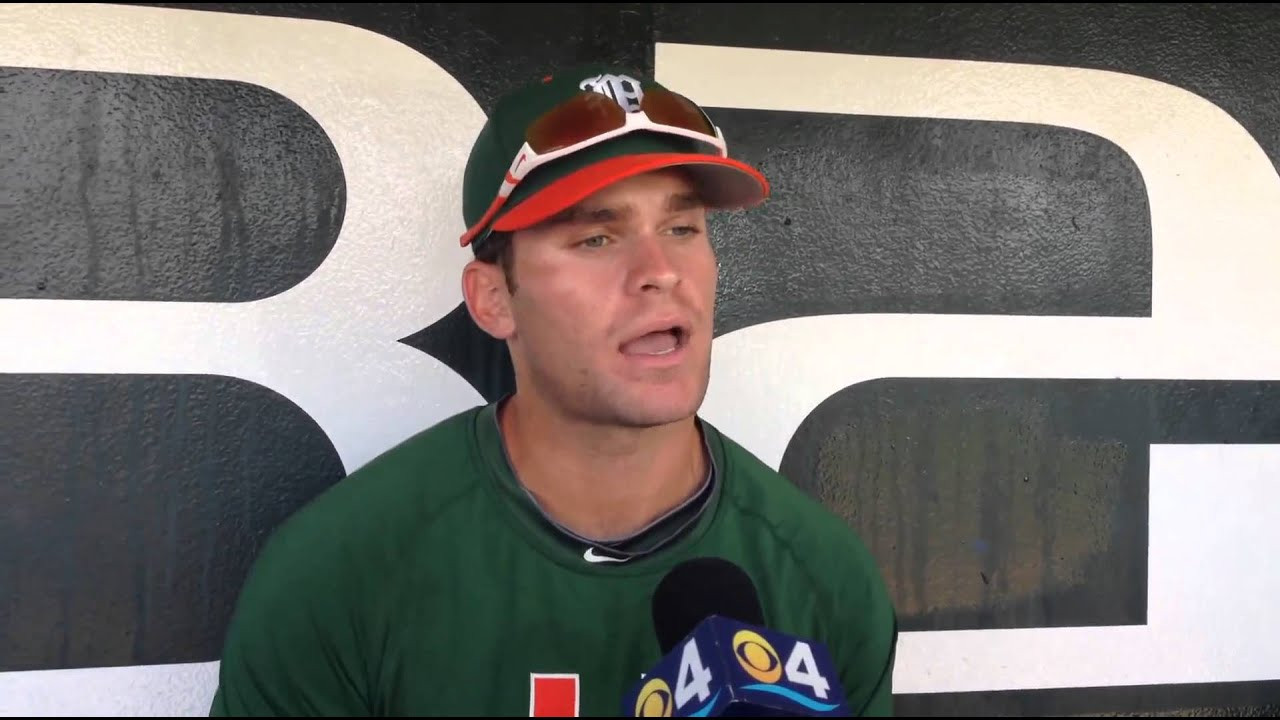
[657,343]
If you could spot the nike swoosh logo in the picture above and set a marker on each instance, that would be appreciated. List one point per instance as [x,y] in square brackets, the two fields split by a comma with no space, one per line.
[591,557]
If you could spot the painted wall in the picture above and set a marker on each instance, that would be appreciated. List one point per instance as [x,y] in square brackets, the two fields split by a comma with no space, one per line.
[1012,311]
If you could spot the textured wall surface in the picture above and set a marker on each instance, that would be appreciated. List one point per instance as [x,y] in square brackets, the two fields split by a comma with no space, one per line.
[1011,312]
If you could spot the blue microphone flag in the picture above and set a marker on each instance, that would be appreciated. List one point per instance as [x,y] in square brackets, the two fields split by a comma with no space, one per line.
[727,668]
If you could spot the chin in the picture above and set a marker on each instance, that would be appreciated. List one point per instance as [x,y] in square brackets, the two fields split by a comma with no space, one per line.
[652,407]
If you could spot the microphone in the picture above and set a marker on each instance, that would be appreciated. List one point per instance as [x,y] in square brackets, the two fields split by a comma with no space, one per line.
[719,659]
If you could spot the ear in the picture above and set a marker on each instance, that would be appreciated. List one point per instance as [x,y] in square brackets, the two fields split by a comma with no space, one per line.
[485,290]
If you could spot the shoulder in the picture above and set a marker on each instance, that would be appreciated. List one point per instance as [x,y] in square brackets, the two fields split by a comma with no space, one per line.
[816,558]
[326,580]
[405,484]
[814,533]
[367,521]
[321,589]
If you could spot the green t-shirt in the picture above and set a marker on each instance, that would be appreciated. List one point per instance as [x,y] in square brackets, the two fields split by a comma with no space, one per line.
[428,583]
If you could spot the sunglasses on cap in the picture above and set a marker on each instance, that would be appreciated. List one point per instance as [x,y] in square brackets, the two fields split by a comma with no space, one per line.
[589,118]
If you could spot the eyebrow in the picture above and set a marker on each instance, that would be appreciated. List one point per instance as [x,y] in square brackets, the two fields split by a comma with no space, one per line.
[676,202]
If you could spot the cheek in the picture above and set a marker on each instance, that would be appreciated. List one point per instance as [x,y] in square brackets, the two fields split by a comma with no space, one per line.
[563,310]
[713,275]
[705,274]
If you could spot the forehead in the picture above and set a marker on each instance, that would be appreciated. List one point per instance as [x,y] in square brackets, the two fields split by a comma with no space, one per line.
[669,190]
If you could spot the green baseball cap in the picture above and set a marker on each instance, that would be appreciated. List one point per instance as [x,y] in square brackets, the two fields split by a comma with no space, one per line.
[723,182]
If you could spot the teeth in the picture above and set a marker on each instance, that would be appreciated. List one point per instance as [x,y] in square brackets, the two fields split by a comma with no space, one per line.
[656,344]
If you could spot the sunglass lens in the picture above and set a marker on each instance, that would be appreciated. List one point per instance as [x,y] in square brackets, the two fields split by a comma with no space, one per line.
[582,118]
[668,108]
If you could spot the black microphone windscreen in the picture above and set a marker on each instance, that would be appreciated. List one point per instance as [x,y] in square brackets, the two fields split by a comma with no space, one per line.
[697,589]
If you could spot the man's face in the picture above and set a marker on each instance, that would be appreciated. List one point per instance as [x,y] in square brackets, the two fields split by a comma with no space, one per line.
[614,301]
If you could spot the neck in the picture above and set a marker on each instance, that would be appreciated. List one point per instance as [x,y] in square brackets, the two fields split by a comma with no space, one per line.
[601,483]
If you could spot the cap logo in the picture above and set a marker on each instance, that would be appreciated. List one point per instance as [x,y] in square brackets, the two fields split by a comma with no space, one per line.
[623,89]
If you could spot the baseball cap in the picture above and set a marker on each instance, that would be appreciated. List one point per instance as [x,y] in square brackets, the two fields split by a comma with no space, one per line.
[567,112]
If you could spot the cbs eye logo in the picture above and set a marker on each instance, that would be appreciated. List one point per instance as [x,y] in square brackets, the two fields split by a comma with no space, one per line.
[654,699]
[757,656]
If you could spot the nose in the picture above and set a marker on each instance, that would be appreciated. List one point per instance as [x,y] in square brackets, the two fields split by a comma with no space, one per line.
[653,268]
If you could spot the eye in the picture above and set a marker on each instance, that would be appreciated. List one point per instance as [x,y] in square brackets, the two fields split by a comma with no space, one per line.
[686,230]
[595,241]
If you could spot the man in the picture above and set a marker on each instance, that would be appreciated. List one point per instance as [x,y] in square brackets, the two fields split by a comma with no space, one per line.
[503,562]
